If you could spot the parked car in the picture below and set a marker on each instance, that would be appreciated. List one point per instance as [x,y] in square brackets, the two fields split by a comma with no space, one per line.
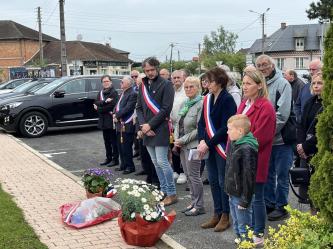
[26,88]
[64,102]
[7,87]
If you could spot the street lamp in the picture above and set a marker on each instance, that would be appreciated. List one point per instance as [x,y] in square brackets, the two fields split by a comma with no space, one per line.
[262,15]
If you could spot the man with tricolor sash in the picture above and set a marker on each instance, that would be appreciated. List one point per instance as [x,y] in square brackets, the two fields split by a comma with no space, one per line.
[154,105]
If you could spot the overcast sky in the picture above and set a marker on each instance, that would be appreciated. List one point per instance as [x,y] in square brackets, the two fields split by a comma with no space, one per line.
[147,27]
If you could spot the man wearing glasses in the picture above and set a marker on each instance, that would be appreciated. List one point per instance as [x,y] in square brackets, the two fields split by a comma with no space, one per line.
[134,75]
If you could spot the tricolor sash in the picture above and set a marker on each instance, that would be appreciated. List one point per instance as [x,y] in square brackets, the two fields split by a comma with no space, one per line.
[101,98]
[210,127]
[128,118]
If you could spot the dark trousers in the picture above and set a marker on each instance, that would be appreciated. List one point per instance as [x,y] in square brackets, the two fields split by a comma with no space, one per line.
[136,145]
[110,143]
[125,150]
[176,164]
[147,165]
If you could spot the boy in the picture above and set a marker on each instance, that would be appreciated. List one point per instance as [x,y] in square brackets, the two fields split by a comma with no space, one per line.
[240,175]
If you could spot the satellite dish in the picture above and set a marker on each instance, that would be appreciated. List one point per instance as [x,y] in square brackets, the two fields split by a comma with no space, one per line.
[79,37]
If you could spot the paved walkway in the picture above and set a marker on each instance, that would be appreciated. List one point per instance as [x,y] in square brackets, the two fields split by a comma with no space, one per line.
[39,189]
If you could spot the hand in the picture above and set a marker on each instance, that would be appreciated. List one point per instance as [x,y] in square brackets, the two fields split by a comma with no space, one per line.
[240,207]
[300,151]
[140,134]
[115,120]
[145,128]
[202,148]
[95,107]
[177,143]
[150,133]
[108,100]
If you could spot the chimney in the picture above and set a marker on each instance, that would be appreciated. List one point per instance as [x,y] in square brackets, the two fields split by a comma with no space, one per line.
[108,44]
[283,25]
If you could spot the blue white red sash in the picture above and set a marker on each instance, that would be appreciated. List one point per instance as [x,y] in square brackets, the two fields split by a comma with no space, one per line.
[130,116]
[101,98]
[210,127]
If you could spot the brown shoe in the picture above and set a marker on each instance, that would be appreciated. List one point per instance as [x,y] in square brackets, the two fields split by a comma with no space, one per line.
[169,200]
[211,223]
[223,223]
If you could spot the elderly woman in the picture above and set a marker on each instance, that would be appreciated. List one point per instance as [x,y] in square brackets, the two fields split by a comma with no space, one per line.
[306,132]
[186,139]
[261,113]
[218,107]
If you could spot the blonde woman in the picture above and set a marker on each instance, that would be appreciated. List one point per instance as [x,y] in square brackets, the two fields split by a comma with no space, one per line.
[186,138]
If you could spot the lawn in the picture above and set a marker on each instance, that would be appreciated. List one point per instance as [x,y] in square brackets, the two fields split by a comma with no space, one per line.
[15,232]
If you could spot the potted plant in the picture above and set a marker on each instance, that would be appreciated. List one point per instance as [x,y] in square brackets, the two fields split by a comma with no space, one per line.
[143,219]
[96,181]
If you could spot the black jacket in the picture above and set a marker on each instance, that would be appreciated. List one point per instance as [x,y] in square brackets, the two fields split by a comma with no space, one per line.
[126,109]
[306,131]
[104,109]
[162,92]
[240,172]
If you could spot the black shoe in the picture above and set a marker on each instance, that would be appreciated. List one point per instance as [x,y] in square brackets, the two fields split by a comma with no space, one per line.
[205,182]
[141,173]
[278,214]
[269,210]
[106,162]
[136,154]
[113,163]
[128,171]
[118,169]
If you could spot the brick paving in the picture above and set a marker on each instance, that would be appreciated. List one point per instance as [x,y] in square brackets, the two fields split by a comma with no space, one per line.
[39,190]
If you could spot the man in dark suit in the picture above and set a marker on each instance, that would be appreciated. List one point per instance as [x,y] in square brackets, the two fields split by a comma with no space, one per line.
[124,120]
[154,105]
[104,105]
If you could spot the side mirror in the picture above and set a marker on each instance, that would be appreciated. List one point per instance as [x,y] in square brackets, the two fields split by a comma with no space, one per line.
[59,94]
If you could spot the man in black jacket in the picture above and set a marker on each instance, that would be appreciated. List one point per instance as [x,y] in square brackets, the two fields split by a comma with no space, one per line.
[104,105]
[154,105]
[123,118]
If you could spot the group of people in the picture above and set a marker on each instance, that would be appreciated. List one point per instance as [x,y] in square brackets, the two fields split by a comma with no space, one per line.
[239,135]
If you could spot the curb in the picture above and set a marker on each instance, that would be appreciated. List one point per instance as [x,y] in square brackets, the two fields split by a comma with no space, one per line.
[167,240]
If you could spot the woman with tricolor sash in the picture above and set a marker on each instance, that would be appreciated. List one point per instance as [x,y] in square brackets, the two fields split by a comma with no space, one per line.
[218,107]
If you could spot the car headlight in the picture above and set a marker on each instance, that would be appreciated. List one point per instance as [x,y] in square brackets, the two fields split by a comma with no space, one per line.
[10,106]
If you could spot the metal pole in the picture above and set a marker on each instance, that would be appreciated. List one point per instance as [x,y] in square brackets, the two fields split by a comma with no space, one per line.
[199,59]
[41,52]
[263,33]
[62,39]
[171,45]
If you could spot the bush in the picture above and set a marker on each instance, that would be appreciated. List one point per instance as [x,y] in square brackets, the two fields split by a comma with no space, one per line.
[321,187]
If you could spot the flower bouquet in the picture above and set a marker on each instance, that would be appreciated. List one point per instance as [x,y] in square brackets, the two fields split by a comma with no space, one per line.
[97,182]
[143,219]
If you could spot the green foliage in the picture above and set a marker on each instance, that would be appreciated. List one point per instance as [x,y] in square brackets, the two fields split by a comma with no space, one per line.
[96,180]
[38,63]
[321,9]
[233,60]
[301,231]
[321,187]
[191,66]
[15,232]
[219,41]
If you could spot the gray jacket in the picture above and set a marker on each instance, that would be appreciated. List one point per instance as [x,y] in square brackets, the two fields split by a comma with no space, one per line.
[190,139]
[279,83]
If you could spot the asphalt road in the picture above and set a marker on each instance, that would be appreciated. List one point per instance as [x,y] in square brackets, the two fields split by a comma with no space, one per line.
[78,149]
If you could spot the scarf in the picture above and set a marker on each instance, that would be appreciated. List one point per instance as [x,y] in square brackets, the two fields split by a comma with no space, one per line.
[188,104]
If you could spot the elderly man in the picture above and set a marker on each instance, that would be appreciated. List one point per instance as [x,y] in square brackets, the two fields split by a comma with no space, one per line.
[153,109]
[178,78]
[315,67]
[123,118]
[165,74]
[295,82]
[277,186]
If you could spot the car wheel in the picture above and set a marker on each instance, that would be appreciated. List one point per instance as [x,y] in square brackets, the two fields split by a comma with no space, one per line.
[33,124]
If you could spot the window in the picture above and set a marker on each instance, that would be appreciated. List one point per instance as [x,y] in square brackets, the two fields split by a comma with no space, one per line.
[95,85]
[300,62]
[299,44]
[280,63]
[74,86]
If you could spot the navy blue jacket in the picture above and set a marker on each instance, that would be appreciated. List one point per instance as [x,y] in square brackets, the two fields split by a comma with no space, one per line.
[126,109]
[303,97]
[220,112]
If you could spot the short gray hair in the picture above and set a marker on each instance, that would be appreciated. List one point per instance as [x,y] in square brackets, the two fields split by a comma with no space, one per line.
[265,57]
[131,81]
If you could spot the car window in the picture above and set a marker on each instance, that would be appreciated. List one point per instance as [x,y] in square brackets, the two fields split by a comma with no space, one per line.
[116,83]
[74,86]
[94,85]
[35,88]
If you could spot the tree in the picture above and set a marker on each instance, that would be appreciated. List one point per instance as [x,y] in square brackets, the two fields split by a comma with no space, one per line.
[322,10]
[321,187]
[233,60]
[220,41]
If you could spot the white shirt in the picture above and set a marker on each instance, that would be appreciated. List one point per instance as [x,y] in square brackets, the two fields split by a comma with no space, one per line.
[179,99]
[247,106]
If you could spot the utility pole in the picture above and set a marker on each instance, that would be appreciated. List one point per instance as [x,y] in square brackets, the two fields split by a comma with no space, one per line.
[171,45]
[62,39]
[178,56]
[199,59]
[263,37]
[41,52]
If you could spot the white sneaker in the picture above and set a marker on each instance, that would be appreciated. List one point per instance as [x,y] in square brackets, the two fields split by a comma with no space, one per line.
[258,241]
[182,179]
[175,175]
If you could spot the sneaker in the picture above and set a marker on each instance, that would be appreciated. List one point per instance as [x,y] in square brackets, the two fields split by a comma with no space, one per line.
[175,175]
[237,241]
[258,241]
[278,214]
[182,179]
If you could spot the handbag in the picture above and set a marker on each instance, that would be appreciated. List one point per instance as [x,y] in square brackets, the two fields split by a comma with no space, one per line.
[300,176]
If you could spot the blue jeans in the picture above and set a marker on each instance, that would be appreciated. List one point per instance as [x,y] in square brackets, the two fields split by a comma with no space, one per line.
[241,218]
[259,210]
[277,186]
[216,170]
[159,157]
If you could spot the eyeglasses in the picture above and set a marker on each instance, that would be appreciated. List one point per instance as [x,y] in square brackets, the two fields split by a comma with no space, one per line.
[176,77]
[134,76]
[263,65]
